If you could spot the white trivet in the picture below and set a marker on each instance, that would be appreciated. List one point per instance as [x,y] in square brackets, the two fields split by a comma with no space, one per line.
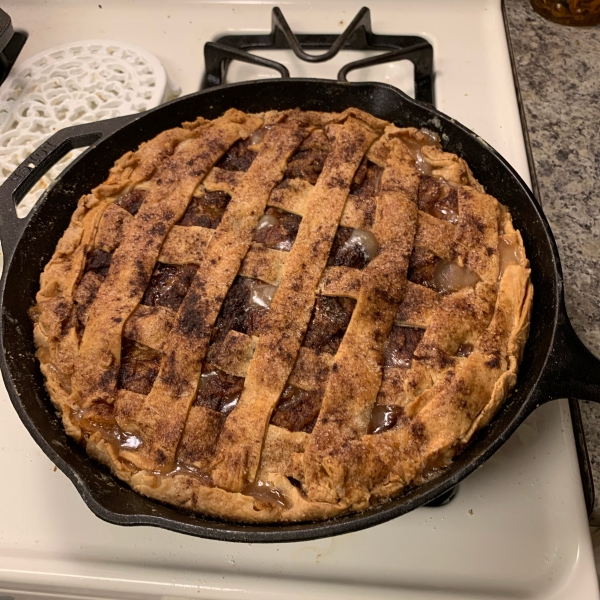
[71,84]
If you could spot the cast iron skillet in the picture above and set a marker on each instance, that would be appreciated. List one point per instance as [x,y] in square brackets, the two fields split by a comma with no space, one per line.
[556,364]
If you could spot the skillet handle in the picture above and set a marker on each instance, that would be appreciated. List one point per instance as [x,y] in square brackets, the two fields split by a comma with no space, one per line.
[571,371]
[29,172]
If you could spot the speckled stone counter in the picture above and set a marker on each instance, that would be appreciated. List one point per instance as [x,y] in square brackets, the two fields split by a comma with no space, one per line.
[558,75]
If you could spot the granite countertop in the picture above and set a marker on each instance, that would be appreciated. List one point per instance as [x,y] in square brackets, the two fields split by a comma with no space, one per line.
[557,71]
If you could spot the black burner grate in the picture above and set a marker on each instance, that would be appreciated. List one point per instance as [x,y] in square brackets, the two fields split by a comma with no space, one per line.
[357,36]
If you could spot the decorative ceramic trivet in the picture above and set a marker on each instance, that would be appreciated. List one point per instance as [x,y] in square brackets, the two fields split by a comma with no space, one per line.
[71,84]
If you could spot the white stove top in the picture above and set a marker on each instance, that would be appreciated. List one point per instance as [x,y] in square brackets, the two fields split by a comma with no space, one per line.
[517,527]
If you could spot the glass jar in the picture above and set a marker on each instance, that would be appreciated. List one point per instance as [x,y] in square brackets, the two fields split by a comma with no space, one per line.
[569,12]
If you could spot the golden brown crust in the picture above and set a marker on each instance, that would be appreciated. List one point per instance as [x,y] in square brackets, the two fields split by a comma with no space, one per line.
[439,317]
[185,245]
[356,373]
[240,444]
[233,354]
[163,415]
[169,191]
[264,264]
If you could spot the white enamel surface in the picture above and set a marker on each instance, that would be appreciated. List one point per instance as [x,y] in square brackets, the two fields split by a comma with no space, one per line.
[527,535]
[473,73]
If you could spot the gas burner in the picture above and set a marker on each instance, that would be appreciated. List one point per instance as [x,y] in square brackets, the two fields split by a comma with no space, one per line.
[11,44]
[357,36]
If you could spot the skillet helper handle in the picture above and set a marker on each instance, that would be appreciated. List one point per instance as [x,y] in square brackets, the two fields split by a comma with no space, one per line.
[572,371]
[29,172]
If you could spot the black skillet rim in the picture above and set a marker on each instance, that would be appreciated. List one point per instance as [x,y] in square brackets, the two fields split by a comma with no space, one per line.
[469,460]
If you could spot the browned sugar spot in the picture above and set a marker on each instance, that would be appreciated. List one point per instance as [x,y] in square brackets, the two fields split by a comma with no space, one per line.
[297,410]
[84,296]
[200,436]
[101,413]
[346,256]
[257,320]
[99,262]
[401,346]
[366,179]
[169,285]
[206,210]
[384,417]
[438,199]
[139,367]
[218,390]
[281,236]
[464,350]
[131,201]
[474,222]
[237,314]
[418,431]
[307,163]
[233,311]
[238,158]
[191,321]
[421,267]
[171,376]
[328,323]
[493,363]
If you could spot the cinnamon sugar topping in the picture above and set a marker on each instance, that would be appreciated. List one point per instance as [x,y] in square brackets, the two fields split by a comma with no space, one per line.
[284,316]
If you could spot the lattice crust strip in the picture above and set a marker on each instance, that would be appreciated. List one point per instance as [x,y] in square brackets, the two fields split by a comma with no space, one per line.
[240,444]
[163,414]
[356,373]
[266,362]
[169,192]
[55,332]
[264,263]
[293,195]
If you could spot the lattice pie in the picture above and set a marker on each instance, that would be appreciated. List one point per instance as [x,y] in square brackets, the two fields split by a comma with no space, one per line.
[283,316]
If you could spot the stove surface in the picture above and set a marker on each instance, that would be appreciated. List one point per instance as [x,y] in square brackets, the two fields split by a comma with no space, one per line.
[517,527]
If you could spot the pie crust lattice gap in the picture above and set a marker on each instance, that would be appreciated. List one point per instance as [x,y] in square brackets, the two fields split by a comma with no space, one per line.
[283,316]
